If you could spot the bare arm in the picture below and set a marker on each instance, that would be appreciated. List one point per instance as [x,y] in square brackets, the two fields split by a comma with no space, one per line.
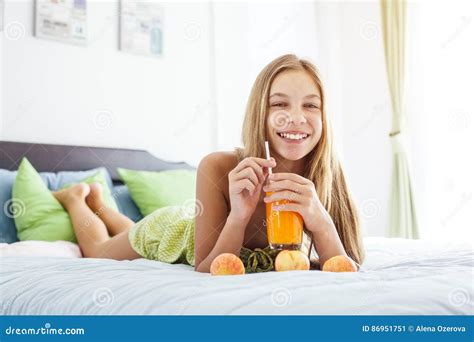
[230,240]
[215,232]
[221,229]
[327,242]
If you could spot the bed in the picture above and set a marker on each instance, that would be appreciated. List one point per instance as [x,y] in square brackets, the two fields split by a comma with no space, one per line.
[399,277]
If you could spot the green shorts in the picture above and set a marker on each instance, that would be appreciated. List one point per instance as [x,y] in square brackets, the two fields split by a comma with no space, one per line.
[166,235]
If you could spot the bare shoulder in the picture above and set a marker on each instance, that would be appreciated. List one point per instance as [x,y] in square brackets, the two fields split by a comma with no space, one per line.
[219,163]
[215,167]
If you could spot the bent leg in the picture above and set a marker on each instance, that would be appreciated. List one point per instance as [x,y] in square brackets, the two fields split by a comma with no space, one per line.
[91,232]
[117,248]
[89,229]
[116,222]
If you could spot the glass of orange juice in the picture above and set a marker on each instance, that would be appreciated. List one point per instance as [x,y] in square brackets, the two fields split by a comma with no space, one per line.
[284,228]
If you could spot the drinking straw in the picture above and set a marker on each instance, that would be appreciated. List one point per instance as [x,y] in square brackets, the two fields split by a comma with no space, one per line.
[267,152]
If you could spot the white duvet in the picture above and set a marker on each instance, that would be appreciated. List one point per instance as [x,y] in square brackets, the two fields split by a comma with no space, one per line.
[399,277]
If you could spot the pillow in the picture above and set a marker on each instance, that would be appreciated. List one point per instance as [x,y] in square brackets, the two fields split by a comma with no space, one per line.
[54,181]
[8,208]
[125,203]
[43,217]
[57,249]
[152,190]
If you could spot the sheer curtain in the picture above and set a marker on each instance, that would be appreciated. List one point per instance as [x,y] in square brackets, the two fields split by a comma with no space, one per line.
[403,220]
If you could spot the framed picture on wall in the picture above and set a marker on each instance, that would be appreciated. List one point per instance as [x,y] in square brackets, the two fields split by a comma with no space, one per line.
[141,28]
[62,20]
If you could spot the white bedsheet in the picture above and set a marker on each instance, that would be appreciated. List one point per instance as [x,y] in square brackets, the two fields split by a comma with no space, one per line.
[399,277]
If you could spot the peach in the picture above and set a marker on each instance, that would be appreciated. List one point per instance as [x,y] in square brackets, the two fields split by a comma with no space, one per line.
[291,261]
[340,263]
[227,264]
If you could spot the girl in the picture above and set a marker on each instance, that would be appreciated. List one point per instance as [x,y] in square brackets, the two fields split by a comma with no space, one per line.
[286,107]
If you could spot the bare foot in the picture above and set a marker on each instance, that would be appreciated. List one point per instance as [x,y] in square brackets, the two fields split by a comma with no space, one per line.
[70,195]
[95,200]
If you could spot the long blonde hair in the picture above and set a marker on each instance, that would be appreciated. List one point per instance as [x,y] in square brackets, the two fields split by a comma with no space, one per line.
[323,167]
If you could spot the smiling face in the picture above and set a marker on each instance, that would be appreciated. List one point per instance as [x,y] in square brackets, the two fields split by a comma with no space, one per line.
[294,121]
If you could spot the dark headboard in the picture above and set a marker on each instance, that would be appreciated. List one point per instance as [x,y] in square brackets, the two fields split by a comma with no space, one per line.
[54,158]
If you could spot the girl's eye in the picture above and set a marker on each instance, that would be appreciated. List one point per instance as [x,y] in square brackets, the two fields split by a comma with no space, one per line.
[279,104]
[312,106]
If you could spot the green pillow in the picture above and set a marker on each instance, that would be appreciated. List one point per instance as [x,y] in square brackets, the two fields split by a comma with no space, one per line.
[151,190]
[44,218]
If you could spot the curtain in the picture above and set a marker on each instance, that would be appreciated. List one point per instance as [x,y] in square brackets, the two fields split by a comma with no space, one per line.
[403,222]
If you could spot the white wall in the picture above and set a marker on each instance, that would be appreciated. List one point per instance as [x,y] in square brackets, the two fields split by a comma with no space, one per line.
[351,62]
[248,35]
[366,112]
[96,95]
[180,107]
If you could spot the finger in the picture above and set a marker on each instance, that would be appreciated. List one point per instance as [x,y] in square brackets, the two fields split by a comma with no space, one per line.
[253,165]
[248,173]
[284,195]
[256,162]
[286,184]
[259,171]
[265,169]
[245,184]
[265,176]
[291,176]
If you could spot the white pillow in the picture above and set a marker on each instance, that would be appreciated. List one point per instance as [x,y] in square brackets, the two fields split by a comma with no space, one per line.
[56,249]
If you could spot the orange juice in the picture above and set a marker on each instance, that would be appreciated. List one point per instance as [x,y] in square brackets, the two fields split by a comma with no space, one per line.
[284,228]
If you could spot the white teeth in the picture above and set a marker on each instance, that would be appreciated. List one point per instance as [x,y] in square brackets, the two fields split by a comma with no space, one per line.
[297,136]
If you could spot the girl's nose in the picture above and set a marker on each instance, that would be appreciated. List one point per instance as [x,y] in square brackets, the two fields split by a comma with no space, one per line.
[298,118]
